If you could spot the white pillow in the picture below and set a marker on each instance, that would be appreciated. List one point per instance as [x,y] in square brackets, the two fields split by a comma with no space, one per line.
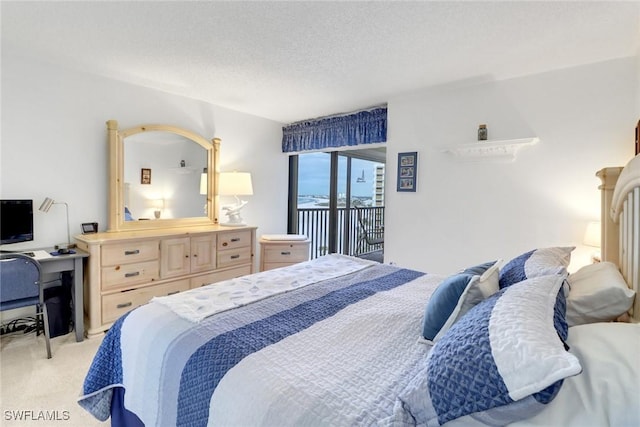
[606,392]
[598,293]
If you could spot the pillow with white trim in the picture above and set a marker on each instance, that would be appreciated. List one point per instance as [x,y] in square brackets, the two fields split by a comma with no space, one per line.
[598,293]
[535,263]
[502,362]
[456,295]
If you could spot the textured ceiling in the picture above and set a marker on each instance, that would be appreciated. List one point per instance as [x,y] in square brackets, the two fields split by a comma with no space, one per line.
[290,61]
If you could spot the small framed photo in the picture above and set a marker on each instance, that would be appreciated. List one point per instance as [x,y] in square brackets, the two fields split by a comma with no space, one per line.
[407,171]
[145,176]
[89,227]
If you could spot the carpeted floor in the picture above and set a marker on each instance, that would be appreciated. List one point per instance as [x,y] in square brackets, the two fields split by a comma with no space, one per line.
[36,391]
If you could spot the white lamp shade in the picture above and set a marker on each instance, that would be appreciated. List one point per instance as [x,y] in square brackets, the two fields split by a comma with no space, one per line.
[203,183]
[235,184]
[46,204]
[592,234]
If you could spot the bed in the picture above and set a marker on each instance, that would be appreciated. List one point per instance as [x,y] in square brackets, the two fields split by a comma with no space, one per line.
[344,341]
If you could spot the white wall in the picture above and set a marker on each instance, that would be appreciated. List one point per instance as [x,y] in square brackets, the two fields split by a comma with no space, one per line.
[54,144]
[464,213]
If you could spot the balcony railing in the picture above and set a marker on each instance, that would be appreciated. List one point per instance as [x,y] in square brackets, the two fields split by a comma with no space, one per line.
[314,223]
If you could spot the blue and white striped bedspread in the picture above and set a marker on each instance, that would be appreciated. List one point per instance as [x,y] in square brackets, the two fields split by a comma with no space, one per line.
[336,352]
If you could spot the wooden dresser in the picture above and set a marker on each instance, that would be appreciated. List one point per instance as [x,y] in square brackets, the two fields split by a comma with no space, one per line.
[280,251]
[127,268]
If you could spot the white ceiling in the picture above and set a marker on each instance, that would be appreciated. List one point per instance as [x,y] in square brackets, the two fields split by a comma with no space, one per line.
[291,61]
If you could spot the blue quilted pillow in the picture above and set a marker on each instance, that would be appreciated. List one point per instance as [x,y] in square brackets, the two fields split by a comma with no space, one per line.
[456,295]
[535,263]
[500,363]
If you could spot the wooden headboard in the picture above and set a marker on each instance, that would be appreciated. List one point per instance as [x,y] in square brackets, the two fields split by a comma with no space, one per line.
[621,223]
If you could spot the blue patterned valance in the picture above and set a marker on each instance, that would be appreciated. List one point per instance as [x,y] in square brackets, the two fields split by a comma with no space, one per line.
[363,127]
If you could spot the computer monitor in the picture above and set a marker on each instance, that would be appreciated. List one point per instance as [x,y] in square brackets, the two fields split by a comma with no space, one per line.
[16,221]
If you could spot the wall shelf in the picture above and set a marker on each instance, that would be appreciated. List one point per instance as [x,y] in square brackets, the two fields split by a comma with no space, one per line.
[500,150]
[183,170]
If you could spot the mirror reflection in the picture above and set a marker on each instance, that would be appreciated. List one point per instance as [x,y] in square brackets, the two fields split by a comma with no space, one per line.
[156,173]
[162,177]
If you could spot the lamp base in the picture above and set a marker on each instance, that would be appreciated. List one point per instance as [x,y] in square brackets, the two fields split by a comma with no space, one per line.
[64,248]
[233,224]
[233,214]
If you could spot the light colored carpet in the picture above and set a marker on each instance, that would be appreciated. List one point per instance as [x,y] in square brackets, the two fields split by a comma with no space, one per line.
[41,391]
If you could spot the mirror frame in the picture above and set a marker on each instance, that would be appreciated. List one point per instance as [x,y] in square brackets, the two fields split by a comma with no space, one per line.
[116,179]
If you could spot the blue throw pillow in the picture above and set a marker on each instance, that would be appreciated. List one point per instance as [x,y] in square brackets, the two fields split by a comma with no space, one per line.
[500,363]
[535,263]
[455,296]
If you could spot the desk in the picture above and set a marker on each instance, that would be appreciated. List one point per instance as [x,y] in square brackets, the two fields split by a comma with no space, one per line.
[73,263]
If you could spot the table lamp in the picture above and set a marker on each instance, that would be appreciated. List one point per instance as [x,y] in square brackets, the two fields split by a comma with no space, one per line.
[235,184]
[63,248]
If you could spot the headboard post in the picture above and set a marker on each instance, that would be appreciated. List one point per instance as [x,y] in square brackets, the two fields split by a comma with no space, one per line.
[610,236]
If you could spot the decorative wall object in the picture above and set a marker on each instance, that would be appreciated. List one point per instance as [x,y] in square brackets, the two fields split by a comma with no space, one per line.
[407,171]
[145,176]
[482,133]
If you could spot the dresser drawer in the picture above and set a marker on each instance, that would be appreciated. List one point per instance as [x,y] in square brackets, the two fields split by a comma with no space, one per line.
[123,275]
[233,257]
[219,276]
[125,253]
[238,239]
[291,253]
[115,305]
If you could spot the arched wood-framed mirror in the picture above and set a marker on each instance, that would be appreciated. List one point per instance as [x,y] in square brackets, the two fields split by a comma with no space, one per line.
[157,178]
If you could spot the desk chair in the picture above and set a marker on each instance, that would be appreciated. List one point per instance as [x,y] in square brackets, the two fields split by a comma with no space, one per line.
[367,233]
[21,286]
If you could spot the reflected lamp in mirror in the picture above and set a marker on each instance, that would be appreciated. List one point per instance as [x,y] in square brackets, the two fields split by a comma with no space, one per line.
[204,178]
[158,205]
[203,182]
[235,184]
[592,238]
[63,248]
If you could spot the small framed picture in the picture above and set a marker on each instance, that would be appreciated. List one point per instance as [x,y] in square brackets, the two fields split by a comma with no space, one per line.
[145,176]
[407,171]
[89,227]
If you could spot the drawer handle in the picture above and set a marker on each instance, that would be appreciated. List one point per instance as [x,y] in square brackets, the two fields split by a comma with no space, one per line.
[235,239]
[285,253]
[134,252]
[173,293]
[134,274]
[124,305]
[235,256]
[225,244]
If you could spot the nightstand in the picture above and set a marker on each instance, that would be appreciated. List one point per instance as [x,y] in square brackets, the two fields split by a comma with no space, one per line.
[281,250]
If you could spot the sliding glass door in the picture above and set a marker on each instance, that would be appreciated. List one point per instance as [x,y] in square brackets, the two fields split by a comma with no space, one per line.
[325,188]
